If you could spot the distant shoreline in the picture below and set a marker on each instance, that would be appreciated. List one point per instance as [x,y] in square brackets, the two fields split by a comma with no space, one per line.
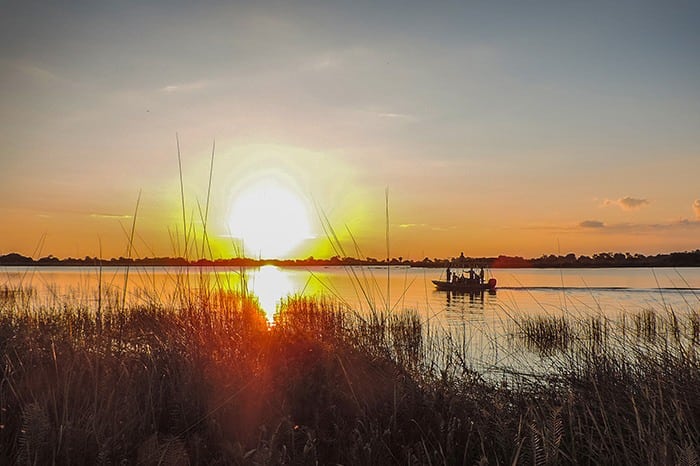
[601,260]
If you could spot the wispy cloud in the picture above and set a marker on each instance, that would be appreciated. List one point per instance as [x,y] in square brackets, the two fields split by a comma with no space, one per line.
[426,226]
[399,116]
[639,228]
[36,72]
[591,224]
[682,224]
[654,227]
[388,115]
[185,87]
[696,208]
[627,203]
[325,62]
[117,216]
[335,59]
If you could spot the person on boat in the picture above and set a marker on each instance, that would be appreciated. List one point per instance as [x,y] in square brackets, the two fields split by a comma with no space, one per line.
[481,275]
[449,275]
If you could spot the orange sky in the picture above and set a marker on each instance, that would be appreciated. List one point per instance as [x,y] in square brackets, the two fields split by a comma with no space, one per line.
[496,130]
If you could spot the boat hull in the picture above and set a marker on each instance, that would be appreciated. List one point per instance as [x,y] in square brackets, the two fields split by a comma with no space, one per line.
[465,287]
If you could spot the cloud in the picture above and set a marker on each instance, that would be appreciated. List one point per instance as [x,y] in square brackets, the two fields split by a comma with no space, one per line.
[682,224]
[36,72]
[591,224]
[632,203]
[616,228]
[387,114]
[426,226]
[335,59]
[325,62]
[627,203]
[401,116]
[184,87]
[101,215]
[696,208]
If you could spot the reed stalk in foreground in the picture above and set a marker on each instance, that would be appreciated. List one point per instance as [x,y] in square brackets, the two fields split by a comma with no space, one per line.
[210,382]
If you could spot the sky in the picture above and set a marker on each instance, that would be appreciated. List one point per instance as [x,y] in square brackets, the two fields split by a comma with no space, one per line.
[518,128]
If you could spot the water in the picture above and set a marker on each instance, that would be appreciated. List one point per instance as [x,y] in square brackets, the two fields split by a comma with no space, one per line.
[522,291]
[478,322]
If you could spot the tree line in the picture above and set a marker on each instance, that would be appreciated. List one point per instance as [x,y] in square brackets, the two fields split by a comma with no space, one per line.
[602,259]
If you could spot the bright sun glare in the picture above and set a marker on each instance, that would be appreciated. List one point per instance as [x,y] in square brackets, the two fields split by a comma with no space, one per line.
[270,219]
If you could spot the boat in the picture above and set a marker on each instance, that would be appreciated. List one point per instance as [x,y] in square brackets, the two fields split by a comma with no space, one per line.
[466,286]
[461,284]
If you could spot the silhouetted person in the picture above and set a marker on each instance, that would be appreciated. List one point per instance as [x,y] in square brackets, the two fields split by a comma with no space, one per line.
[449,275]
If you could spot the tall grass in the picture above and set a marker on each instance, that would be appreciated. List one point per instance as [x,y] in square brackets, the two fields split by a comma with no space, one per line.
[209,381]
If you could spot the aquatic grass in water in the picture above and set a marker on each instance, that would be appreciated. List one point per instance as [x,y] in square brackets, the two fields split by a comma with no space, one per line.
[212,383]
[546,333]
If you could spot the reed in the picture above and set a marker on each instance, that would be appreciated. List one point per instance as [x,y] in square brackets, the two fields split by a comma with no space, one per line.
[208,381]
[546,333]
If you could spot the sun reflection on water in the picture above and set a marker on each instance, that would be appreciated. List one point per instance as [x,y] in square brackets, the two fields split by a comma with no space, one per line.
[270,284]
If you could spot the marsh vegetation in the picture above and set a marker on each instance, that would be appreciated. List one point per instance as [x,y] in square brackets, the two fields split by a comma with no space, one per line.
[208,380]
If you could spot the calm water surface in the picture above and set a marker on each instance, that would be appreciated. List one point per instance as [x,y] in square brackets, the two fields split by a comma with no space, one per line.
[480,323]
[520,291]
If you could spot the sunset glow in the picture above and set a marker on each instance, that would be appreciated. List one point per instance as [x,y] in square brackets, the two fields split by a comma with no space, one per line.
[515,129]
[269,219]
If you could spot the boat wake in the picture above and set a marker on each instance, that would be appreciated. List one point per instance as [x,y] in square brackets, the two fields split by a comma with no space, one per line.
[599,288]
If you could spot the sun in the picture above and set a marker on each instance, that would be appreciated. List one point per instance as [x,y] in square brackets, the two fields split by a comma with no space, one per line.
[270,219]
